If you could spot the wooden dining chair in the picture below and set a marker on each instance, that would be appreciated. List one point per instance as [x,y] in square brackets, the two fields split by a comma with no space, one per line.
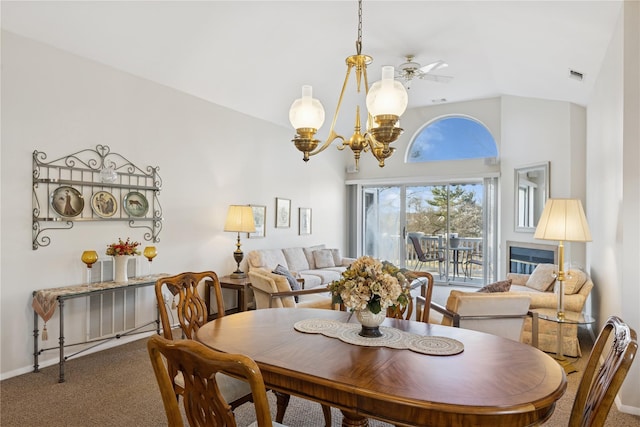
[192,313]
[600,382]
[201,367]
[423,300]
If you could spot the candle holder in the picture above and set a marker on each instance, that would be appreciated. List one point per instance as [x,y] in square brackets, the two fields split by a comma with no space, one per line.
[89,258]
[150,253]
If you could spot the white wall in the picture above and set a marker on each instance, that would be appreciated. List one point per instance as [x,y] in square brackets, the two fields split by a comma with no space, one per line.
[535,131]
[209,157]
[613,182]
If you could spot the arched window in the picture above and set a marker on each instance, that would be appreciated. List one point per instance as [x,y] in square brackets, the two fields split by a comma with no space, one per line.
[452,138]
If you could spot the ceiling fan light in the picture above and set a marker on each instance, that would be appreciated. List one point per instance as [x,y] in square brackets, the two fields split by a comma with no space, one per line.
[387,96]
[306,112]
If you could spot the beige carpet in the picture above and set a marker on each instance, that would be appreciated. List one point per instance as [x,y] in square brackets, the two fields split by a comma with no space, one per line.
[116,387]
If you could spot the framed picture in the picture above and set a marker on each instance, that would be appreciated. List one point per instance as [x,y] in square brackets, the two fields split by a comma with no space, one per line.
[283,213]
[259,215]
[304,221]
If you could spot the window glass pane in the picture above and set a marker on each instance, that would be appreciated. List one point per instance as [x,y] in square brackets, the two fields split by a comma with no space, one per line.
[452,138]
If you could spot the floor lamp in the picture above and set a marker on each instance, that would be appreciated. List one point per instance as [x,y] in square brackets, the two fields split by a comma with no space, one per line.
[239,220]
[563,220]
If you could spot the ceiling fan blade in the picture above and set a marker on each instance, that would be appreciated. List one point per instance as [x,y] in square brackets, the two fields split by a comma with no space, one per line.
[436,78]
[434,66]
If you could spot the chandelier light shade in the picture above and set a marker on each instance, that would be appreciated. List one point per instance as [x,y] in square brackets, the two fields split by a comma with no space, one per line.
[387,96]
[239,220]
[563,220]
[306,112]
[386,101]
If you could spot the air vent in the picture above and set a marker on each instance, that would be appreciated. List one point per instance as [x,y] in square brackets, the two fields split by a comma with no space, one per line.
[439,101]
[576,75]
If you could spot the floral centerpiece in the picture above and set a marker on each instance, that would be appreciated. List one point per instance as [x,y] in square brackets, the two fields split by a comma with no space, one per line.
[121,251]
[123,248]
[373,285]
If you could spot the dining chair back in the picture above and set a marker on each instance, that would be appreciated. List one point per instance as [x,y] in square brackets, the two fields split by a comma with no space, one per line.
[423,300]
[204,404]
[424,280]
[192,313]
[600,382]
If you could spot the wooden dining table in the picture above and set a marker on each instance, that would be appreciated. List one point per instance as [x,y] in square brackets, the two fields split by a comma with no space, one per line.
[494,381]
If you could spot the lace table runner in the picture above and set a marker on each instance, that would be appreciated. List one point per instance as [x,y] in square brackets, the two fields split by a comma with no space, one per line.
[391,337]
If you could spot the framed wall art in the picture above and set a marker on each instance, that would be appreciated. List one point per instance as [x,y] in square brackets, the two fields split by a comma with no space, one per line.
[304,221]
[283,213]
[259,216]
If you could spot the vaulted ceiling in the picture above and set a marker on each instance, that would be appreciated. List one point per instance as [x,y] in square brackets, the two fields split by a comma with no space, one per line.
[253,56]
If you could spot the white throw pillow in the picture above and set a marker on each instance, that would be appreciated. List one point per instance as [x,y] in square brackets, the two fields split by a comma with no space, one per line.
[323,258]
[337,258]
[542,277]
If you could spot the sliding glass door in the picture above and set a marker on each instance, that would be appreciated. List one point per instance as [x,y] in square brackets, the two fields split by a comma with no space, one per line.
[443,228]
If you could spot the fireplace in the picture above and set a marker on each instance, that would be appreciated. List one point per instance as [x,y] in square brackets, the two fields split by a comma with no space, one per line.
[524,257]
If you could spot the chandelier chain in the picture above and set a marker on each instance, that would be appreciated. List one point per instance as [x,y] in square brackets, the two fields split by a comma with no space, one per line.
[359,41]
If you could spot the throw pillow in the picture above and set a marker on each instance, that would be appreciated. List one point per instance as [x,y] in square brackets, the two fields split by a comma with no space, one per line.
[574,279]
[323,258]
[542,277]
[292,280]
[502,286]
[337,258]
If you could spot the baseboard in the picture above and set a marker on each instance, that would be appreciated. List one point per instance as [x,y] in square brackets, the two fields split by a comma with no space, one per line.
[633,410]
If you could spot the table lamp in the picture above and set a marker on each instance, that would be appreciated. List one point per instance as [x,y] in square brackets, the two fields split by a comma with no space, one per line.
[563,220]
[239,220]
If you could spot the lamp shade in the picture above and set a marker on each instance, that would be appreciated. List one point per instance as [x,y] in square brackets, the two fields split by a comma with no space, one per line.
[563,220]
[306,112]
[240,219]
[387,96]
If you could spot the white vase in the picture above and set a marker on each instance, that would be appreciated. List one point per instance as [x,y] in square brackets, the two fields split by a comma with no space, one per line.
[120,263]
[370,322]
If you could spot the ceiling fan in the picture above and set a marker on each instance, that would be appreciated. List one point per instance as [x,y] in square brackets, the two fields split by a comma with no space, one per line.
[410,70]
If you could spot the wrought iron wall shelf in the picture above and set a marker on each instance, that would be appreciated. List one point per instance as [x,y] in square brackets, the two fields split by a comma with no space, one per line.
[93,185]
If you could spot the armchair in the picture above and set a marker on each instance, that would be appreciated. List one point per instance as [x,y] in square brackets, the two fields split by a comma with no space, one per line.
[539,285]
[494,313]
[274,291]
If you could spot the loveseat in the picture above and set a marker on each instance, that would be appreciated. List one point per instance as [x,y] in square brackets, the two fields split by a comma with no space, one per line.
[314,267]
[540,287]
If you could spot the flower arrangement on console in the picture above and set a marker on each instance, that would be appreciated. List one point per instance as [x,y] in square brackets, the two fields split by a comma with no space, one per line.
[123,248]
[369,283]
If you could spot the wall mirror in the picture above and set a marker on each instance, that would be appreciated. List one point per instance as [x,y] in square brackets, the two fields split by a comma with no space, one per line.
[532,191]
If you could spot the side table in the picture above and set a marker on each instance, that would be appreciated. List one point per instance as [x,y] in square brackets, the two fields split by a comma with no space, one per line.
[241,286]
[551,315]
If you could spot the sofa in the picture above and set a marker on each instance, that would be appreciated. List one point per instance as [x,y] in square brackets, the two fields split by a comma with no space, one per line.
[317,265]
[306,268]
[540,287]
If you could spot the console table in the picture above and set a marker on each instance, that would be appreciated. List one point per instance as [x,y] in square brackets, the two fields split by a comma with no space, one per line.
[44,305]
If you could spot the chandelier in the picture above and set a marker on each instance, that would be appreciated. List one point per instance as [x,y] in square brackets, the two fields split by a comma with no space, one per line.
[385,101]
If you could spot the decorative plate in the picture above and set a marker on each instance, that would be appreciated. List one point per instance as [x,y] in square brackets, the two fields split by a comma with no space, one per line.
[135,204]
[104,204]
[67,201]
